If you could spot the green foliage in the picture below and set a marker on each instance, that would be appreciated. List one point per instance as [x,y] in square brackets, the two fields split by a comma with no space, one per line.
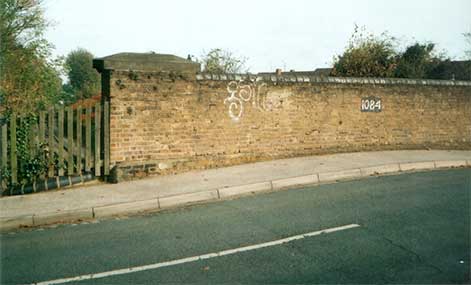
[447,69]
[467,52]
[22,24]
[83,78]
[5,178]
[67,94]
[29,80]
[133,75]
[366,55]
[33,158]
[222,61]
[417,61]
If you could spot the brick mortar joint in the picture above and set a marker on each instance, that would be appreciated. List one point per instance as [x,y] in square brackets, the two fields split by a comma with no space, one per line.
[321,79]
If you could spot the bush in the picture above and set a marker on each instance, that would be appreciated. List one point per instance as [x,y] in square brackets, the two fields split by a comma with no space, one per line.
[418,61]
[366,55]
[222,61]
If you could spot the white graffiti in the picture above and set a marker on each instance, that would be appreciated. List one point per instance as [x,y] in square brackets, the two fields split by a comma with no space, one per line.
[240,92]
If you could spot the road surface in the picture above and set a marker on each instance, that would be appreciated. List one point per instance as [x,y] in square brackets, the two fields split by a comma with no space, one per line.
[409,228]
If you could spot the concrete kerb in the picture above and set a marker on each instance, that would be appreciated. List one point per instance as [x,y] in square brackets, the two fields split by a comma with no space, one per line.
[411,166]
[182,200]
[9,223]
[126,208]
[187,199]
[339,175]
[450,163]
[295,181]
[244,189]
[62,216]
[380,169]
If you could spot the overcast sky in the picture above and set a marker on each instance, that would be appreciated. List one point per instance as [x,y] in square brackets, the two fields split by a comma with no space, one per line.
[291,34]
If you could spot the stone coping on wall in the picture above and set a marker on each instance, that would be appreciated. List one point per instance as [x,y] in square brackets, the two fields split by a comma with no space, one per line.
[323,79]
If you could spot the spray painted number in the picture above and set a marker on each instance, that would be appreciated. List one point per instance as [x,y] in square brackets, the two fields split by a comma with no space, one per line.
[371,104]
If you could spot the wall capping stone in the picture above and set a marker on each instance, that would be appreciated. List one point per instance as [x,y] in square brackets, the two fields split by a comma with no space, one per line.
[323,79]
[146,62]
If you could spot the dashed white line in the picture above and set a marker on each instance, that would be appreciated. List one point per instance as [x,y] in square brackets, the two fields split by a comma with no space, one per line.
[194,258]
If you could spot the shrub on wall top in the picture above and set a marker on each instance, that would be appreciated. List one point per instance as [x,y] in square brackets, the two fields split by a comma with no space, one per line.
[367,55]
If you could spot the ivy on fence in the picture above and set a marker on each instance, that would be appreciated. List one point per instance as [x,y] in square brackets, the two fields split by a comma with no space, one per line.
[52,144]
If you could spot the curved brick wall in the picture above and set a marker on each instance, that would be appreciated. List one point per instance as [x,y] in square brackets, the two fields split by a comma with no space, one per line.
[167,123]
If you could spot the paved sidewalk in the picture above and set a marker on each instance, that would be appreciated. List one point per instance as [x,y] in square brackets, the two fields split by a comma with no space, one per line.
[156,193]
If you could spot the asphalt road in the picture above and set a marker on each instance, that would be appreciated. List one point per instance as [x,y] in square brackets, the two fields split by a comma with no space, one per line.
[413,228]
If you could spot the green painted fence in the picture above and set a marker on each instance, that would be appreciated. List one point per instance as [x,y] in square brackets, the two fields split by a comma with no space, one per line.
[75,141]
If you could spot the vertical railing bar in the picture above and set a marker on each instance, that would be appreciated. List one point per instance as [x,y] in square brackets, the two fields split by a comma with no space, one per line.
[60,148]
[32,136]
[41,135]
[13,158]
[106,138]
[4,154]
[51,144]
[42,127]
[78,146]
[70,141]
[97,139]
[88,138]
[4,146]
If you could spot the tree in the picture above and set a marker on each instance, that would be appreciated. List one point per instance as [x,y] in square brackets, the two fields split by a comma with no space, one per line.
[29,80]
[22,24]
[467,52]
[223,61]
[366,55]
[417,61]
[84,80]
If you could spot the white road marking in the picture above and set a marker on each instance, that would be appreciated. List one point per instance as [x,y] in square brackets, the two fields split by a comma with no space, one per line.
[195,258]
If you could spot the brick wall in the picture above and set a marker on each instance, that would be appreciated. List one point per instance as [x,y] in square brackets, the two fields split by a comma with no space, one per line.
[165,123]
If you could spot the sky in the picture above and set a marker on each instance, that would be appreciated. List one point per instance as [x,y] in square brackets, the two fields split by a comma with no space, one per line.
[289,34]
